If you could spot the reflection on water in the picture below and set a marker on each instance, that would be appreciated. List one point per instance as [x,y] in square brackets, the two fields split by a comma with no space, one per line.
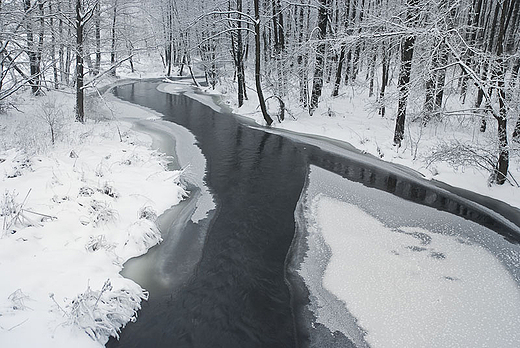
[412,190]
[237,294]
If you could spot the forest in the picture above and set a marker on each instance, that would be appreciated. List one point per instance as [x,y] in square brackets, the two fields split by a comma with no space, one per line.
[424,61]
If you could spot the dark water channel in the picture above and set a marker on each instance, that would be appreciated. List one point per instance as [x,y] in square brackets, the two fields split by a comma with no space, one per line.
[238,294]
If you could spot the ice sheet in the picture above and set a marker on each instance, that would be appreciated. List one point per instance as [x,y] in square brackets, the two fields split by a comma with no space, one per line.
[410,275]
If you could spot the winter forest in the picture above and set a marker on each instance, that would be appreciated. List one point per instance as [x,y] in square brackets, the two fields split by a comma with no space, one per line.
[443,58]
[100,149]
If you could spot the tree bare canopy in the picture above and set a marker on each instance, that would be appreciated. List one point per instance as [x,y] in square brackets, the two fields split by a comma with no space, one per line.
[415,59]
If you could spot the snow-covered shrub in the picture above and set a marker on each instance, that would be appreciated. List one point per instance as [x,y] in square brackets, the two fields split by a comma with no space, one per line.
[102,212]
[12,212]
[85,191]
[17,299]
[142,235]
[9,206]
[102,313]
[52,113]
[147,213]
[109,190]
[461,156]
[97,243]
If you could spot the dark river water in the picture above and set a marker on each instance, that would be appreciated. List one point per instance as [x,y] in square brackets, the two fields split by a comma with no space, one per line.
[239,294]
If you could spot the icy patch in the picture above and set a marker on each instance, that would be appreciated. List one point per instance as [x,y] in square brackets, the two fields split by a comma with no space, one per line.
[410,287]
[440,279]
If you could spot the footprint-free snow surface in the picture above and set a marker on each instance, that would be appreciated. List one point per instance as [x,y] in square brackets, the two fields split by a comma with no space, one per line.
[313,244]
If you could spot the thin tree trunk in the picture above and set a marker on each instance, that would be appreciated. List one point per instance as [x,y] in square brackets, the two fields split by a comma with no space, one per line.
[239,57]
[403,84]
[113,46]
[97,24]
[41,37]
[80,112]
[34,80]
[68,55]
[61,48]
[339,69]
[499,72]
[302,59]
[258,58]
[53,48]
[372,69]
[384,79]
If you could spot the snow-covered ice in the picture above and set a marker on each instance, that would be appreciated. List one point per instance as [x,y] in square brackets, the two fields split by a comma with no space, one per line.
[426,279]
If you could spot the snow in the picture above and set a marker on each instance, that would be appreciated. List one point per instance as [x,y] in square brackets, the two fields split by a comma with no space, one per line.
[407,298]
[422,279]
[98,190]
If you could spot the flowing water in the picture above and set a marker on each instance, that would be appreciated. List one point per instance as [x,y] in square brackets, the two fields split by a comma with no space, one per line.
[238,291]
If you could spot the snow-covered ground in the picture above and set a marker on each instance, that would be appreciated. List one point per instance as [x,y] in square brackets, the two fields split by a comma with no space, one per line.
[72,214]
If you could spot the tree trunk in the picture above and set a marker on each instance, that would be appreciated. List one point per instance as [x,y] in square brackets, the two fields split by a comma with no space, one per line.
[317,81]
[337,80]
[53,48]
[113,46]
[516,132]
[403,84]
[384,79]
[61,48]
[441,77]
[239,57]
[80,112]
[34,80]
[500,75]
[41,36]
[302,59]
[68,54]
[372,69]
[97,25]
[258,58]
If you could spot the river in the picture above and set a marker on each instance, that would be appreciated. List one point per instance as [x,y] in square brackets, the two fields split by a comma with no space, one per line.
[243,288]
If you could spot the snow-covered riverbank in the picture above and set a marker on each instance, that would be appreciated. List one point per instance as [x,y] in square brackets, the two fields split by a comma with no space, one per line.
[353,118]
[72,214]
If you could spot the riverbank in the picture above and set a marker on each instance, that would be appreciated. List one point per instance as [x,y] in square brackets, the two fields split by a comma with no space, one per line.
[73,212]
[352,118]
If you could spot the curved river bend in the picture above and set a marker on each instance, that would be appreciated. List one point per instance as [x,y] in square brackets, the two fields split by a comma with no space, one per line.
[243,290]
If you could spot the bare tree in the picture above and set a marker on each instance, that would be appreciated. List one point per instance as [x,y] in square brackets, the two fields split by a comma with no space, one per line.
[403,85]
